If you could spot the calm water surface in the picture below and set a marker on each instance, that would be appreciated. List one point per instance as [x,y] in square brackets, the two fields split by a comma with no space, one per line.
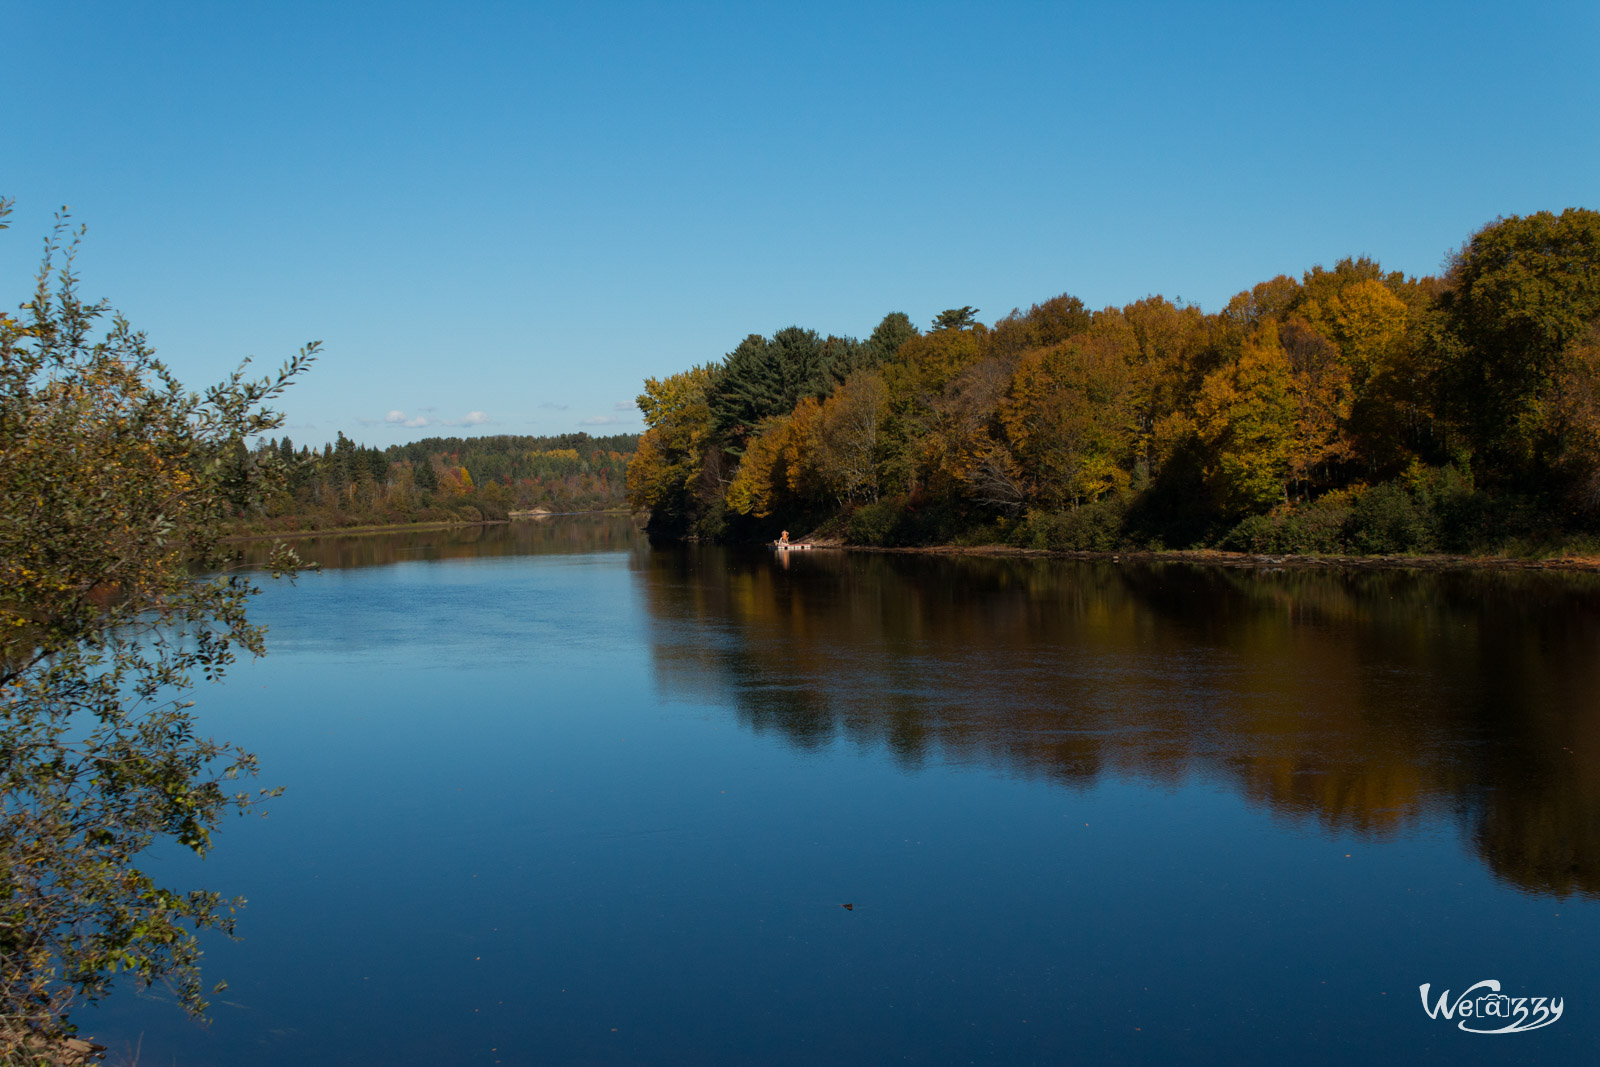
[554,796]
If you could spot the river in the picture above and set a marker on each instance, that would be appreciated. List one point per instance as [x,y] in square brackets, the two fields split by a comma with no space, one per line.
[556,796]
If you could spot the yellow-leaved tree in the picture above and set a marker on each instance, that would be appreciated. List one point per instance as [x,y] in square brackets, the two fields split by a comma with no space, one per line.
[776,467]
[668,464]
[1244,418]
[1069,421]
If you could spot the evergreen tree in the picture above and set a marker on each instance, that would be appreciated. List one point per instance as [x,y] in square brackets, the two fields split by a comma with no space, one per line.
[763,378]
[894,331]
[955,318]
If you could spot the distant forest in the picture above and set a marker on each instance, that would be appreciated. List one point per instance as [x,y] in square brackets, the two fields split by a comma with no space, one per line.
[1353,409]
[440,479]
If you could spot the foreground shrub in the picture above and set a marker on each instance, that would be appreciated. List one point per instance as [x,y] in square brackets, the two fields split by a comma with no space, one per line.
[116,485]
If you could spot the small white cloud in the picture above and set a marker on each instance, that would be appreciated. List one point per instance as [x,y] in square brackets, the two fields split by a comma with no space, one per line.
[471,418]
[599,420]
[549,405]
[624,405]
[416,422]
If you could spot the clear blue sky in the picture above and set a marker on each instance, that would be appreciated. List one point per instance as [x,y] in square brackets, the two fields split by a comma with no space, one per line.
[522,210]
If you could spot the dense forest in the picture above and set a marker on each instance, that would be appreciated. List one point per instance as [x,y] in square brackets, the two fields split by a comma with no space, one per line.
[1353,409]
[440,479]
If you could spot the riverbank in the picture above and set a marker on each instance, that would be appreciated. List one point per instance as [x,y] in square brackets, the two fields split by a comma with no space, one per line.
[393,527]
[1204,557]
[1245,560]
[340,531]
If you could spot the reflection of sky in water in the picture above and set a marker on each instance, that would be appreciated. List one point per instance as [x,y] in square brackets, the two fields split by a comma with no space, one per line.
[558,800]
[452,608]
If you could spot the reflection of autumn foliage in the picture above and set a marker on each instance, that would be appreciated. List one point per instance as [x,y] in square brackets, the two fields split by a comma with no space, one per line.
[579,535]
[1364,700]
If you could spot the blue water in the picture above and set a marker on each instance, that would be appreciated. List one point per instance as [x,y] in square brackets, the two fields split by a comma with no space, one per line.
[576,800]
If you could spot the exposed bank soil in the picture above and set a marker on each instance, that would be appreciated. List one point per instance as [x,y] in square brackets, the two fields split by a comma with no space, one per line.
[1243,560]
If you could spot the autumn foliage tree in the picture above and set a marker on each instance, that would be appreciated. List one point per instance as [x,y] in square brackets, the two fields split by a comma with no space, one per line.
[1069,421]
[116,592]
[1303,409]
[670,464]
[1244,419]
[1522,293]
[850,424]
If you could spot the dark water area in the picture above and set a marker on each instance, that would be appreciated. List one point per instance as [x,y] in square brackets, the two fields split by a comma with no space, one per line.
[556,796]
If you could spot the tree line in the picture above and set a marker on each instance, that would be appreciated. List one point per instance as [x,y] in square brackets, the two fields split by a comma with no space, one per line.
[439,479]
[1351,409]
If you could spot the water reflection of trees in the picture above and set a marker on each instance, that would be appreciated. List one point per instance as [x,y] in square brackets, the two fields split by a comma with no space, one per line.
[520,537]
[1363,699]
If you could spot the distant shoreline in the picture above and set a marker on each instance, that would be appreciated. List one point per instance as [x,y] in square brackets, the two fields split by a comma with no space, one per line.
[1203,557]
[392,527]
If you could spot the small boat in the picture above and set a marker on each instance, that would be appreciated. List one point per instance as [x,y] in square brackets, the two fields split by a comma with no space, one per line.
[788,546]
